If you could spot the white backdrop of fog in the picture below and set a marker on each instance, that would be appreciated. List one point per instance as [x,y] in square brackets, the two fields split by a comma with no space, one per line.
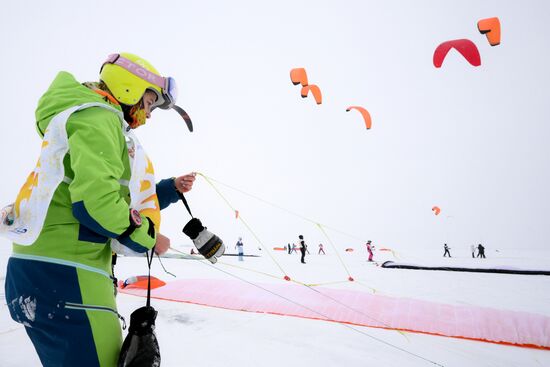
[474,141]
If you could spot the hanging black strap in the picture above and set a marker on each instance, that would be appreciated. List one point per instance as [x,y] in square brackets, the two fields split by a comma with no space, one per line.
[149,261]
[184,202]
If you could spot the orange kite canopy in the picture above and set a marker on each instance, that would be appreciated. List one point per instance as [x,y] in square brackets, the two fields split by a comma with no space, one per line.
[491,28]
[140,282]
[298,76]
[314,90]
[436,210]
[364,113]
[466,48]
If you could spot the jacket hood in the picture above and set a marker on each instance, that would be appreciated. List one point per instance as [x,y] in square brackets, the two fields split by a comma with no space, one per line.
[64,92]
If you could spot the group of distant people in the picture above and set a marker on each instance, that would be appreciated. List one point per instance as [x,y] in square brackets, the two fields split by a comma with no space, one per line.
[302,247]
[480,251]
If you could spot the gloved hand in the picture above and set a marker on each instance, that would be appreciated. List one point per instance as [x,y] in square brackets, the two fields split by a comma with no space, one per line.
[209,245]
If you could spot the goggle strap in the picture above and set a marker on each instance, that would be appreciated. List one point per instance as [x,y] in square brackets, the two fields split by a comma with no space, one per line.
[137,70]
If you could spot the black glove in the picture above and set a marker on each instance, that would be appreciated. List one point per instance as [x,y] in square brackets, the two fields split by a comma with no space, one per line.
[140,348]
[209,245]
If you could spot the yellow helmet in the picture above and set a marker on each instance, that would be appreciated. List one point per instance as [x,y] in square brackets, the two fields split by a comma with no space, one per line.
[128,76]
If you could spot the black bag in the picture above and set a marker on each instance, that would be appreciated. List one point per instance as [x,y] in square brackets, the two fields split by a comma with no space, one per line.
[140,347]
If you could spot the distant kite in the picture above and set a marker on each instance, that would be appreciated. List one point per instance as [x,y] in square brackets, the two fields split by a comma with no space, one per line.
[314,90]
[364,113]
[436,210]
[298,76]
[491,28]
[466,48]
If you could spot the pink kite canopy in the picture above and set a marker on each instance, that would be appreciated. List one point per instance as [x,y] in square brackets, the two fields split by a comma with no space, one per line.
[359,308]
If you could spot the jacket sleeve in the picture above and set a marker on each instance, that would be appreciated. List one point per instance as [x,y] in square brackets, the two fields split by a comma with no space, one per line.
[96,148]
[166,193]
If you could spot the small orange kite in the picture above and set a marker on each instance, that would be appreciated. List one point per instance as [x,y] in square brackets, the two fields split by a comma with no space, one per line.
[314,90]
[298,76]
[364,113]
[491,28]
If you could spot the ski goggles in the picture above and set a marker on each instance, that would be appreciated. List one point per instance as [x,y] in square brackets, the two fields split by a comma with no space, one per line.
[168,86]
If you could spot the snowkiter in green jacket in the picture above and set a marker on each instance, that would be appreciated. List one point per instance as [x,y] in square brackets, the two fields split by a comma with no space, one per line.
[97,193]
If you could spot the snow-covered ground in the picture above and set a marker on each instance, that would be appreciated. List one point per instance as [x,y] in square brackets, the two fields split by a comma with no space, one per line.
[471,140]
[194,335]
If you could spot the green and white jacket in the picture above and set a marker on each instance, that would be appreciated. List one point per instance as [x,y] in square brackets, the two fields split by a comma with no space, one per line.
[92,169]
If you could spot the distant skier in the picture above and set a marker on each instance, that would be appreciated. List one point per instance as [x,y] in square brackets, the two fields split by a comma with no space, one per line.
[303,248]
[289,249]
[369,249]
[447,248]
[481,251]
[239,246]
[321,249]
[293,248]
[473,249]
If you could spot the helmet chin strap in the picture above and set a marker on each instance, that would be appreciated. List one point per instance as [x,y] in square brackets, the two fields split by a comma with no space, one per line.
[135,115]
[185,117]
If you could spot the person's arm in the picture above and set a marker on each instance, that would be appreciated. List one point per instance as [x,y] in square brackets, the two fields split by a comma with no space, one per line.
[166,193]
[167,190]
[96,147]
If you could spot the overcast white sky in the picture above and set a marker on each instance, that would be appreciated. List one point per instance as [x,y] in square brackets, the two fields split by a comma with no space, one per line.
[474,141]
